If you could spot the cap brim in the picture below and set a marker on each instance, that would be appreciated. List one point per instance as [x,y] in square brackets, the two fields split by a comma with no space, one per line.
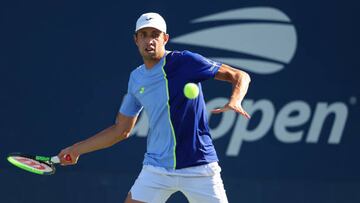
[150,25]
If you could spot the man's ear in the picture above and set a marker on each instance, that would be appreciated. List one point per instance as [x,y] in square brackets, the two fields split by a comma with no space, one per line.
[166,38]
[135,38]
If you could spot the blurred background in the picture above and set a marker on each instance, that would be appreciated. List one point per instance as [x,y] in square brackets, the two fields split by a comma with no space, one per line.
[64,67]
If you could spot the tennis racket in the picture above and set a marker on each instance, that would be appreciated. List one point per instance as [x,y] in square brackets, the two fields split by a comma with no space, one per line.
[41,165]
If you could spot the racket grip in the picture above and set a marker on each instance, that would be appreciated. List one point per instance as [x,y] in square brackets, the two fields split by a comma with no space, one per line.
[67,157]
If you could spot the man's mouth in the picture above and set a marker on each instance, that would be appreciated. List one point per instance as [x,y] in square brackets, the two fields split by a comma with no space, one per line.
[149,49]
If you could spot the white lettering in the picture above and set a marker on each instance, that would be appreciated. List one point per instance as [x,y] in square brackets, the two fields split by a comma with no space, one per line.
[227,119]
[285,119]
[241,132]
[322,111]
[288,124]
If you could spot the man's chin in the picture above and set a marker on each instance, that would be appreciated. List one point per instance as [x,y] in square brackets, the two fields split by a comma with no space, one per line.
[150,54]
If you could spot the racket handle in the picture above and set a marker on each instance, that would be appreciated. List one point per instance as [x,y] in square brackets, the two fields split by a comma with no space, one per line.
[67,157]
[55,159]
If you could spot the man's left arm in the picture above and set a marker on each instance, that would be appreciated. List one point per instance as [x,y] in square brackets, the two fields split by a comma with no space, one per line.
[240,81]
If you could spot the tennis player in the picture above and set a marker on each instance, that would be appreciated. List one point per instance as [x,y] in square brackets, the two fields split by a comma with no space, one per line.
[180,154]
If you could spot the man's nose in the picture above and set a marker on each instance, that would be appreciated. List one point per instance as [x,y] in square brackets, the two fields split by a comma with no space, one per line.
[150,40]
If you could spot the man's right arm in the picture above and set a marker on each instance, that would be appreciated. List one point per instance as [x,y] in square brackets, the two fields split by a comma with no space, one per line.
[106,138]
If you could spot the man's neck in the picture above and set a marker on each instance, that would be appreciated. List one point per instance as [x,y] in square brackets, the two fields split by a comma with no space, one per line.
[149,64]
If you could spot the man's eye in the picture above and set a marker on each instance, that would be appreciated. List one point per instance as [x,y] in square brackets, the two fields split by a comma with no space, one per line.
[156,35]
[141,35]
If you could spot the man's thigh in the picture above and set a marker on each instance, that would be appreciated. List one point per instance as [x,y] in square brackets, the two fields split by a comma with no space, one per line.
[209,189]
[153,187]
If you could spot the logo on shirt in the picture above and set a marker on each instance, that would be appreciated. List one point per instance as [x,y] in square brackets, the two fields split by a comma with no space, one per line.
[142,89]
[261,40]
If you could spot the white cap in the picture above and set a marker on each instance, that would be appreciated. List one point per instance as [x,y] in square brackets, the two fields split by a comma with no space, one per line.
[151,20]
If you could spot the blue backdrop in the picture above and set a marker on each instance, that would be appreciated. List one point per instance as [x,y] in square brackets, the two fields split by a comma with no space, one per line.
[64,67]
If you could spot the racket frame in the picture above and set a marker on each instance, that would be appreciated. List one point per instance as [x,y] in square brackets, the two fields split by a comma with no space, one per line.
[48,161]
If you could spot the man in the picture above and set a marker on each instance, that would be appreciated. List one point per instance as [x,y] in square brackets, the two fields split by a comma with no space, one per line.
[180,155]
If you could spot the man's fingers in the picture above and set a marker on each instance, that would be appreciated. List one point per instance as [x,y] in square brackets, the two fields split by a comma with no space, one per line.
[220,110]
[67,157]
[216,111]
[246,115]
[235,108]
[243,112]
[65,160]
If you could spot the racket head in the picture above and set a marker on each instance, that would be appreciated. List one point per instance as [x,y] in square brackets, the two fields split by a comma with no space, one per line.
[35,164]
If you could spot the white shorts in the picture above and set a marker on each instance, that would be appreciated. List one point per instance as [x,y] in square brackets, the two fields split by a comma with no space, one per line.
[199,184]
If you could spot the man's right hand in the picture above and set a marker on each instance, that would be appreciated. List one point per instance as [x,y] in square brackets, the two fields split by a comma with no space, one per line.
[64,156]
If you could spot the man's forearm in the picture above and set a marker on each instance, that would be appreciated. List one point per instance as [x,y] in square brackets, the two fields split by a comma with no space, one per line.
[101,140]
[240,83]
[239,79]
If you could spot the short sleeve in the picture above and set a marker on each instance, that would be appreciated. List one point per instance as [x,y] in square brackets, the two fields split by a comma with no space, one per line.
[130,105]
[201,68]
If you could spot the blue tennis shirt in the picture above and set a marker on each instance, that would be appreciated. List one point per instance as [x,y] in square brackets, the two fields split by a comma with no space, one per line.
[179,135]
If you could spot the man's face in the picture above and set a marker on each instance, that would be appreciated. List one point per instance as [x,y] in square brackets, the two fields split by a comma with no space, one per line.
[151,43]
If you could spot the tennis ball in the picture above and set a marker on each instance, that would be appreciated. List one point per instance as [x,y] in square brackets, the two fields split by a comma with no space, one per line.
[191,90]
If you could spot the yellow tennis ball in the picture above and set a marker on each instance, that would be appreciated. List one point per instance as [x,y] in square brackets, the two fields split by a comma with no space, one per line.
[191,90]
